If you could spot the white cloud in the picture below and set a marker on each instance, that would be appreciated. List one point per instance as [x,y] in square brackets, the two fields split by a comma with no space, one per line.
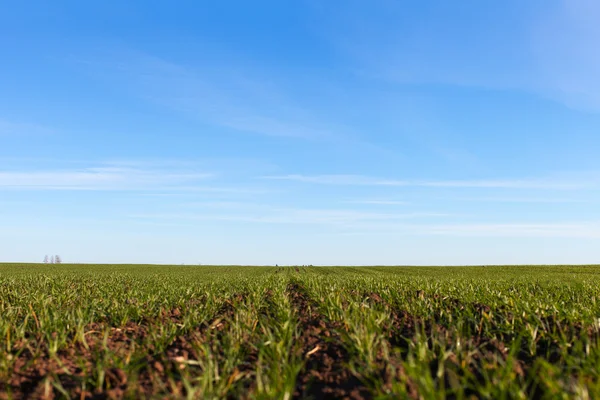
[520,199]
[358,180]
[338,180]
[232,94]
[549,48]
[379,202]
[506,184]
[98,178]
[267,215]
[570,229]
[368,223]
[565,43]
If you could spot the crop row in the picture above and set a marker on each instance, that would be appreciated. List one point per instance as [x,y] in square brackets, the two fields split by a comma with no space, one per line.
[307,332]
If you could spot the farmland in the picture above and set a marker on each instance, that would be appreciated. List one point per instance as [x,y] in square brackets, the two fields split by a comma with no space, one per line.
[131,331]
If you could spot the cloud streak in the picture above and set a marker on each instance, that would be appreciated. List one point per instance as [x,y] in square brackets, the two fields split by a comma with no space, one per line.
[380,202]
[549,50]
[98,178]
[353,222]
[549,200]
[332,217]
[361,180]
[564,230]
[232,95]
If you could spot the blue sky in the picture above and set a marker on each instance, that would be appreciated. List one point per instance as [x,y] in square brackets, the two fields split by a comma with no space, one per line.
[301,132]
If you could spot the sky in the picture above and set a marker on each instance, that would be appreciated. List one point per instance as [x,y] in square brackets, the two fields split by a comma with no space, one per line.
[337,132]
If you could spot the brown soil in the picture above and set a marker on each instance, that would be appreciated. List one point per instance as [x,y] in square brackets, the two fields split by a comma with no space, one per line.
[403,327]
[35,374]
[325,374]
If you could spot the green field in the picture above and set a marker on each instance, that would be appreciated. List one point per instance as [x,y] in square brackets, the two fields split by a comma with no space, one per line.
[131,331]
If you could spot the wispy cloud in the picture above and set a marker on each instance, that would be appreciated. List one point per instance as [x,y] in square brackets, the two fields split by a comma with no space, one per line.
[564,43]
[338,180]
[379,202]
[98,178]
[333,217]
[549,50]
[552,200]
[354,222]
[557,184]
[430,227]
[507,184]
[570,229]
[231,94]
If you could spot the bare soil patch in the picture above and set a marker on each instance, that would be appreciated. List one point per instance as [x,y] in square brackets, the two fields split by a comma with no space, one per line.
[325,374]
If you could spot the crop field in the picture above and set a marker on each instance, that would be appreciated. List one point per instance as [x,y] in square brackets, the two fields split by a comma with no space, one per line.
[133,331]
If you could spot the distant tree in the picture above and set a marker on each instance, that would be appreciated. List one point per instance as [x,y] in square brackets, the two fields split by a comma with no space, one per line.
[57,259]
[46,260]
[52,260]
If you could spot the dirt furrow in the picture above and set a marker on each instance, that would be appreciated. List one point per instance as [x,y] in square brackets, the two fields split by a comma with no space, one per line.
[404,327]
[325,374]
[35,374]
